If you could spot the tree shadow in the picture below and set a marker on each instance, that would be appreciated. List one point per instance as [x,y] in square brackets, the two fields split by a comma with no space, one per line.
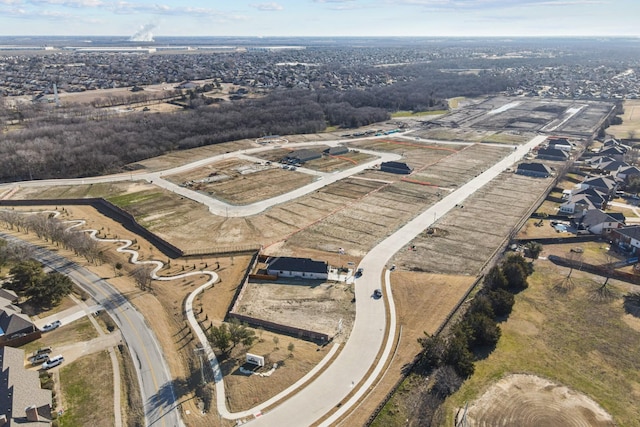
[631,304]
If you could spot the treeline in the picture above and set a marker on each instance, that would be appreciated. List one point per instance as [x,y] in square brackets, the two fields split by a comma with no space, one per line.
[53,230]
[449,360]
[57,144]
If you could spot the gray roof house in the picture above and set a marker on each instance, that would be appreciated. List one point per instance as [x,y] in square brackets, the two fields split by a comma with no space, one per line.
[599,222]
[603,183]
[552,154]
[533,169]
[396,167]
[337,150]
[624,173]
[301,156]
[22,401]
[560,144]
[297,267]
[628,236]
[16,328]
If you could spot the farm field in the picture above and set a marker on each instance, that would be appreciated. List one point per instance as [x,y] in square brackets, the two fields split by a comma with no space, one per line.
[464,239]
[570,339]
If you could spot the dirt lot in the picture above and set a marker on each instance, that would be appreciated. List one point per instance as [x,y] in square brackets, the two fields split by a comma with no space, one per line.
[309,304]
[240,182]
[531,401]
[465,238]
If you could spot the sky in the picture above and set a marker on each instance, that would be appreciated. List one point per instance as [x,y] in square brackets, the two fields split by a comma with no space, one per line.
[321,17]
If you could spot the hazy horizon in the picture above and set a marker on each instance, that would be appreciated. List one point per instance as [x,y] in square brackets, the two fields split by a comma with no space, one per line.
[147,20]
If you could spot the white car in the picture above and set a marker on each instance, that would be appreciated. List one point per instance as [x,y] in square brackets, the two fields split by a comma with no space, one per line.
[51,326]
[53,362]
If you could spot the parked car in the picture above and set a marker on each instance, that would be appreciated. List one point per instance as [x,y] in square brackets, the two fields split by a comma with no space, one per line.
[39,358]
[53,362]
[377,293]
[42,350]
[51,326]
[359,272]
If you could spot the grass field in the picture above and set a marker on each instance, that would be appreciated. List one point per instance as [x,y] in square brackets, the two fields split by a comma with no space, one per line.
[630,127]
[87,391]
[571,339]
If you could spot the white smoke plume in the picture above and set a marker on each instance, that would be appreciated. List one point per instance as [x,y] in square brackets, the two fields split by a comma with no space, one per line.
[144,34]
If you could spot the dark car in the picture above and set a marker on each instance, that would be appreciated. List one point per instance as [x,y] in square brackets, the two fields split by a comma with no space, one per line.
[377,293]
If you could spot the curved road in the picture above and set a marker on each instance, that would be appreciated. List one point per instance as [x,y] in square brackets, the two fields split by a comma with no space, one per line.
[154,377]
[349,370]
[348,373]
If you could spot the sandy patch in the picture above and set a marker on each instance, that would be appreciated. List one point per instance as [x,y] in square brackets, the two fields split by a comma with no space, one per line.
[527,400]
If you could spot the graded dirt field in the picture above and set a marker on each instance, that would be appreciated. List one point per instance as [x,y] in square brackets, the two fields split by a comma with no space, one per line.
[465,238]
[308,304]
[531,401]
[240,182]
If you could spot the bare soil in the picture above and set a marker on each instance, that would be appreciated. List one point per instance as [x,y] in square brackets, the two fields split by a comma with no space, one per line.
[531,401]
[308,304]
[465,238]
[241,182]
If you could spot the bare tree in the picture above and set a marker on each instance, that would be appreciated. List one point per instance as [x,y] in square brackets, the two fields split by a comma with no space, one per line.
[142,276]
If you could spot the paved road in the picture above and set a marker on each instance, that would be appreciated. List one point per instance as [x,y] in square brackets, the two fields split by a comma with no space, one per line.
[349,370]
[218,207]
[153,373]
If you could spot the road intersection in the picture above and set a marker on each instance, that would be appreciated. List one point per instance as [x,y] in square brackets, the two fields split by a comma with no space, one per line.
[357,367]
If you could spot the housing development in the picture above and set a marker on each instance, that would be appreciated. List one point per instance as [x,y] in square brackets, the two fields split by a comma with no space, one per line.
[266,240]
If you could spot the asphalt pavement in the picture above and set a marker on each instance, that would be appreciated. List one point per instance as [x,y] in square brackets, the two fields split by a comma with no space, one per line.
[156,384]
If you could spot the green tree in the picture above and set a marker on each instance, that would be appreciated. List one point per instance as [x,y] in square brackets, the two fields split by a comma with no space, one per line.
[486,331]
[26,275]
[240,333]
[501,301]
[50,290]
[220,338]
[433,351]
[516,269]
[459,357]
[533,249]
[495,279]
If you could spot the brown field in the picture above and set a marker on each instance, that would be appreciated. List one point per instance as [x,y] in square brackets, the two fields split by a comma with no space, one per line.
[246,182]
[337,163]
[466,237]
[474,135]
[630,127]
[309,304]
